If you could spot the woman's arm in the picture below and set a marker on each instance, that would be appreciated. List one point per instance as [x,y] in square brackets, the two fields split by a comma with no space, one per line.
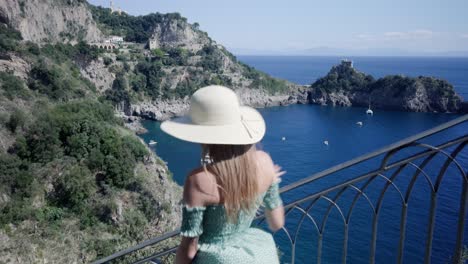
[275,218]
[274,215]
[187,250]
[192,197]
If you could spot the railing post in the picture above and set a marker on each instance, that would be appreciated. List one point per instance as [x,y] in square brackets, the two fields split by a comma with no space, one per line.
[374,238]
[345,243]
[401,245]
[430,228]
[457,258]
[319,249]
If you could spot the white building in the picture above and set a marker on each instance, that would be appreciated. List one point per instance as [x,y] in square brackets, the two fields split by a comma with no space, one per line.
[116,39]
[153,44]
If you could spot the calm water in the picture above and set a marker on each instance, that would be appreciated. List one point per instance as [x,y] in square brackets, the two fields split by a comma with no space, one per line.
[303,153]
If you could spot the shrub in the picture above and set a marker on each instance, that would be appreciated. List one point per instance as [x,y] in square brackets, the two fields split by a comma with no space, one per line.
[12,86]
[17,119]
[107,61]
[9,39]
[119,92]
[74,188]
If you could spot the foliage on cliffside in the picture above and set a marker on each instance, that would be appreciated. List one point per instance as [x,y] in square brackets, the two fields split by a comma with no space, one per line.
[132,28]
[74,183]
[183,51]
[344,78]
[344,85]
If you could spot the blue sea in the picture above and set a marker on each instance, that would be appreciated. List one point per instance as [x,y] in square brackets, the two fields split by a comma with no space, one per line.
[303,153]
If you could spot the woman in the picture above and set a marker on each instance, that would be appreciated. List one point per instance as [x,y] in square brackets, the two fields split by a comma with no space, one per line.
[222,196]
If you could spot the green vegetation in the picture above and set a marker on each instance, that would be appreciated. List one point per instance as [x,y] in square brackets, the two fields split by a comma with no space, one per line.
[133,28]
[77,150]
[344,78]
[71,160]
[17,120]
[12,86]
[262,80]
[9,39]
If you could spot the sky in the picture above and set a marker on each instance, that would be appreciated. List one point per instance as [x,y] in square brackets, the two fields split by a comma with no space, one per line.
[352,27]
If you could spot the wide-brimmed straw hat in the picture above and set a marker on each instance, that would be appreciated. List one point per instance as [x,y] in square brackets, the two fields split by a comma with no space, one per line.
[216,117]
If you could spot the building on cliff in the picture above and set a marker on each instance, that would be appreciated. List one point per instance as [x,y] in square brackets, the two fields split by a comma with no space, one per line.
[346,62]
[114,10]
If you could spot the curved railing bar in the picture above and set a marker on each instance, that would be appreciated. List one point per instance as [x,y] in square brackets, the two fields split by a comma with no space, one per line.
[156,255]
[404,209]
[377,210]
[427,152]
[356,197]
[376,172]
[463,200]
[389,182]
[337,207]
[451,158]
[146,243]
[305,213]
[331,205]
[419,170]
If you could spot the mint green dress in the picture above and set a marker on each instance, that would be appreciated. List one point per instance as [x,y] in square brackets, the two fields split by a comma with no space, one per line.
[223,242]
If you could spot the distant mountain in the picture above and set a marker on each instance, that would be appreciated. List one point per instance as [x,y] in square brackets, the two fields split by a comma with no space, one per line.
[331,51]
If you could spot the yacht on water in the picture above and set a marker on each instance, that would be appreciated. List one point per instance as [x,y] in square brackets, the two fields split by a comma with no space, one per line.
[152,142]
[369,110]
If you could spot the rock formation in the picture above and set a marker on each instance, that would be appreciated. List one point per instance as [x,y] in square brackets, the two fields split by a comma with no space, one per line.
[45,21]
[345,86]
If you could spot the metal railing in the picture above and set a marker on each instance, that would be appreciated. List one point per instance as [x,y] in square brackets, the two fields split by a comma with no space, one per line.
[410,173]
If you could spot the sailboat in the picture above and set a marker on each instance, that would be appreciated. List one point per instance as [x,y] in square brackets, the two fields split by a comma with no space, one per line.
[369,110]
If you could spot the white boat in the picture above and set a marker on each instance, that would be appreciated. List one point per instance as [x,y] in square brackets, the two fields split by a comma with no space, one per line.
[369,110]
[325,142]
[152,142]
[283,138]
[359,123]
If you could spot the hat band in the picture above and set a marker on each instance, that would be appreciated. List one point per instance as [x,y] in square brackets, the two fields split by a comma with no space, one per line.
[249,128]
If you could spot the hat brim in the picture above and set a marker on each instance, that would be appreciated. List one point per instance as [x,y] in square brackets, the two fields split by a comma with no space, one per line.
[248,131]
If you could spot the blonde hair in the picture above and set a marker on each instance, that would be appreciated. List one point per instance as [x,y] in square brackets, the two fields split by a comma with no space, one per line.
[235,170]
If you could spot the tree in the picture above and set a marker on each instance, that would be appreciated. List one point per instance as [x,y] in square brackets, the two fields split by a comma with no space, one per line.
[17,119]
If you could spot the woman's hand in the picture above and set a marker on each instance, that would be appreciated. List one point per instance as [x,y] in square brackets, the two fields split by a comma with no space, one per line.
[278,173]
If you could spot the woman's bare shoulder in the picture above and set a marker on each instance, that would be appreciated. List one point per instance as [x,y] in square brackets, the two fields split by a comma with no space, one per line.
[266,167]
[264,158]
[199,188]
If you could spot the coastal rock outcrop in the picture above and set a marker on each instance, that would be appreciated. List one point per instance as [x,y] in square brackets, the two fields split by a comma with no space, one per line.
[345,86]
[176,32]
[161,110]
[45,21]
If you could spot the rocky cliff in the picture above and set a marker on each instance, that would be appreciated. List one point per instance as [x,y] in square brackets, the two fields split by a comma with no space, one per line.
[75,184]
[345,86]
[45,21]
[179,58]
